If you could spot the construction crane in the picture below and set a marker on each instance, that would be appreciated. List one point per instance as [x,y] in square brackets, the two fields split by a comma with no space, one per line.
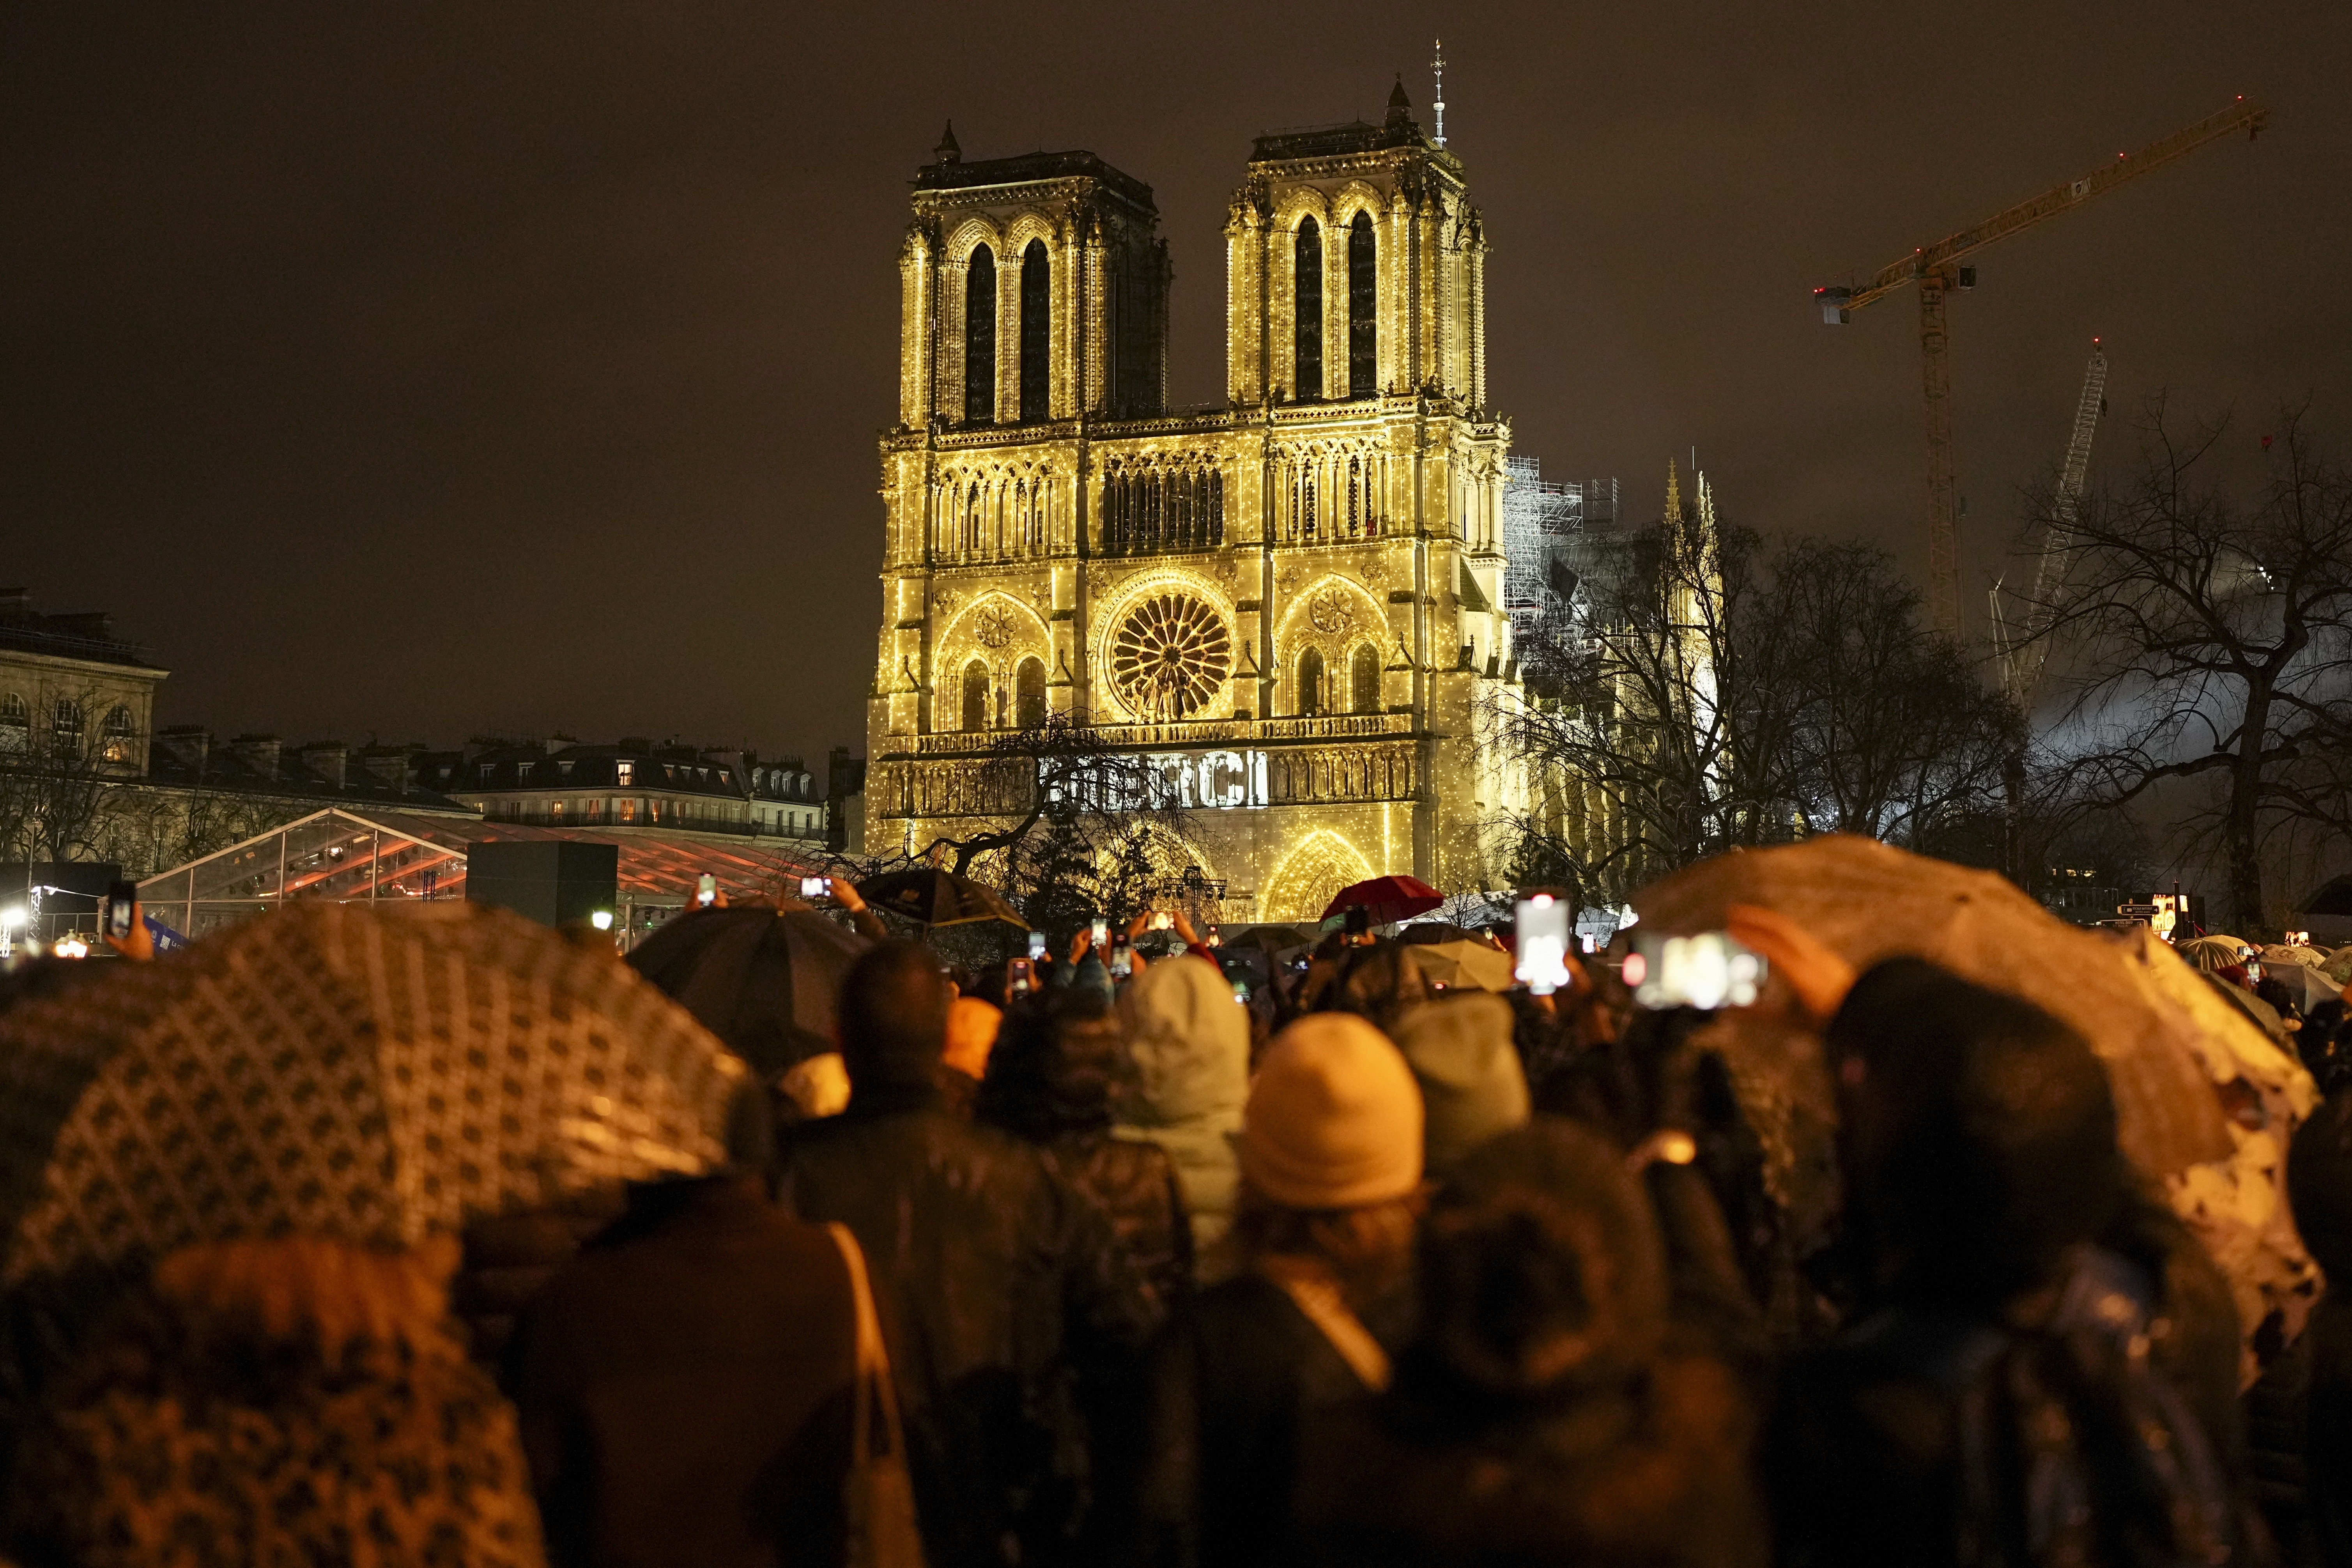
[2023,656]
[1936,270]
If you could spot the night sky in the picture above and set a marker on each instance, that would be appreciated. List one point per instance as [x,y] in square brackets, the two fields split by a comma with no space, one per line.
[420,370]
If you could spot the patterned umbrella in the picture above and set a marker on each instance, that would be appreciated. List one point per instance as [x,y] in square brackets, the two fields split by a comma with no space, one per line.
[335,1069]
[1390,898]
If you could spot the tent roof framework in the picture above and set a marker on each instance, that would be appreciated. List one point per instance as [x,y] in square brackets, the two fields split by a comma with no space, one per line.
[376,856]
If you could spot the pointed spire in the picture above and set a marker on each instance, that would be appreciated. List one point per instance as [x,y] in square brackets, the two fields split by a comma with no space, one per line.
[947,152]
[1399,106]
[1674,495]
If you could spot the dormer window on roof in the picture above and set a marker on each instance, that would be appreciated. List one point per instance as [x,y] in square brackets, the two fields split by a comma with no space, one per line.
[626,768]
[522,771]
[563,770]
[486,772]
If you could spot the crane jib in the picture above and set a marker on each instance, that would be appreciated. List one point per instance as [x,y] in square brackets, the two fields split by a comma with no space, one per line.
[1926,261]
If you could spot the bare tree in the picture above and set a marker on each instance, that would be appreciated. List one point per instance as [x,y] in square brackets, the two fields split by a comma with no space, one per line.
[1719,696]
[2206,645]
[53,793]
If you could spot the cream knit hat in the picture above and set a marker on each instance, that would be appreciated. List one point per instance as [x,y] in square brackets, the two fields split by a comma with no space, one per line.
[1334,1119]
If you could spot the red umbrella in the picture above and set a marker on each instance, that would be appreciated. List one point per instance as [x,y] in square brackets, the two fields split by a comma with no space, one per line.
[1390,898]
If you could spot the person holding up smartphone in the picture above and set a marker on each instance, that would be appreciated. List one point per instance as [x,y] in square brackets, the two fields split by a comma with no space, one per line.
[123,926]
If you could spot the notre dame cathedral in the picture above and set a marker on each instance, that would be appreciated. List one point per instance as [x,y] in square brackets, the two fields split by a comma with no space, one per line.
[1291,603]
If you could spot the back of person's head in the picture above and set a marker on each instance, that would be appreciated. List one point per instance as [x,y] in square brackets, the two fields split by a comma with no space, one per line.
[1334,1117]
[1188,1041]
[1459,1046]
[1055,1066]
[1980,1134]
[2319,1184]
[894,1018]
[972,1028]
[1330,1154]
[1378,982]
[1542,1272]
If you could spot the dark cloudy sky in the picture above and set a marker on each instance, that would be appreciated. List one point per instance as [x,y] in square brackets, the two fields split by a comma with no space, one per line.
[423,369]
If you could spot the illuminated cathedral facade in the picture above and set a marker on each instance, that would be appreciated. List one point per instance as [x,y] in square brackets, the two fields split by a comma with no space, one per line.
[1291,604]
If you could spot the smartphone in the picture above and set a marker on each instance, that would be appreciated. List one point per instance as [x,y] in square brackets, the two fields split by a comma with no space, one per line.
[1162,921]
[1102,931]
[816,887]
[706,892]
[1704,972]
[1036,946]
[1241,992]
[1020,977]
[1214,940]
[1541,923]
[121,899]
[1122,959]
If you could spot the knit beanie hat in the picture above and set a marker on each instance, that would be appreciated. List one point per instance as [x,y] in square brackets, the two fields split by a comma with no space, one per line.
[1334,1119]
[1459,1048]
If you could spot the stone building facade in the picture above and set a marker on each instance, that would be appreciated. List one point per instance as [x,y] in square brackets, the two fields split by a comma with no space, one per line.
[1291,603]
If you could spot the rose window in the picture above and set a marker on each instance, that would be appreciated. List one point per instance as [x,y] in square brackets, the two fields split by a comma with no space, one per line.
[1169,656]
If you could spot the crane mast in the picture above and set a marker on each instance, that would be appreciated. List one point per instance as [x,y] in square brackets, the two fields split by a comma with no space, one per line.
[2023,657]
[1937,271]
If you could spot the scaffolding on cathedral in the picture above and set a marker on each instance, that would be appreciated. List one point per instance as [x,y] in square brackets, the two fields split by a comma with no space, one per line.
[1545,529]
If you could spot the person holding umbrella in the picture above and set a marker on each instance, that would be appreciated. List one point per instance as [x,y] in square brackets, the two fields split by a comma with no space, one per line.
[273,1141]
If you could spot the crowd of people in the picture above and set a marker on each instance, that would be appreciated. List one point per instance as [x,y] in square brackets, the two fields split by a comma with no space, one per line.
[1106,1258]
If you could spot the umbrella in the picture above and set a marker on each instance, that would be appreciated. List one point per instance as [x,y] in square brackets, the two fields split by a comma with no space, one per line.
[2166,1038]
[374,1075]
[932,897]
[1460,965]
[2212,952]
[766,983]
[2279,953]
[1434,931]
[1270,939]
[1388,899]
[2338,966]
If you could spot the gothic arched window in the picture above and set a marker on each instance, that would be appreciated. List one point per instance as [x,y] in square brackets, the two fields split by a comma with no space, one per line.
[979,337]
[975,696]
[1310,683]
[1029,689]
[1308,291]
[1363,297]
[1364,680]
[1216,506]
[1037,333]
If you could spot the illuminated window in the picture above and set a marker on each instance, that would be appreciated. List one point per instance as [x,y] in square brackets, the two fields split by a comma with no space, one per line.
[979,337]
[1036,332]
[1363,327]
[119,737]
[1308,291]
[628,770]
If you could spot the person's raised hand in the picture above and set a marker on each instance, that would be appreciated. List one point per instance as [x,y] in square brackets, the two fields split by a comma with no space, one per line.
[1818,977]
[1081,943]
[845,894]
[139,945]
[1138,925]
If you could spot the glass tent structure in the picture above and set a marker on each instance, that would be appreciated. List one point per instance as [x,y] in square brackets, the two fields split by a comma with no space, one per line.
[378,857]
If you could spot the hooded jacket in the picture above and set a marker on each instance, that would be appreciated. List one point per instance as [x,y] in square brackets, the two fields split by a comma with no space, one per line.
[1188,1043]
[1584,1424]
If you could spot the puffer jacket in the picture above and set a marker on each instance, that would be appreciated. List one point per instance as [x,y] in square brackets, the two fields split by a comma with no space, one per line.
[1188,1043]
[1003,1294]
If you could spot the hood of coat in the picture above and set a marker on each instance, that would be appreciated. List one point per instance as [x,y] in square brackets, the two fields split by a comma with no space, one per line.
[1472,1085]
[1188,1041]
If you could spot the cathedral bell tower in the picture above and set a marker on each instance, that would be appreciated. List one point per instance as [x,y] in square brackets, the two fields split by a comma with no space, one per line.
[1357,267]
